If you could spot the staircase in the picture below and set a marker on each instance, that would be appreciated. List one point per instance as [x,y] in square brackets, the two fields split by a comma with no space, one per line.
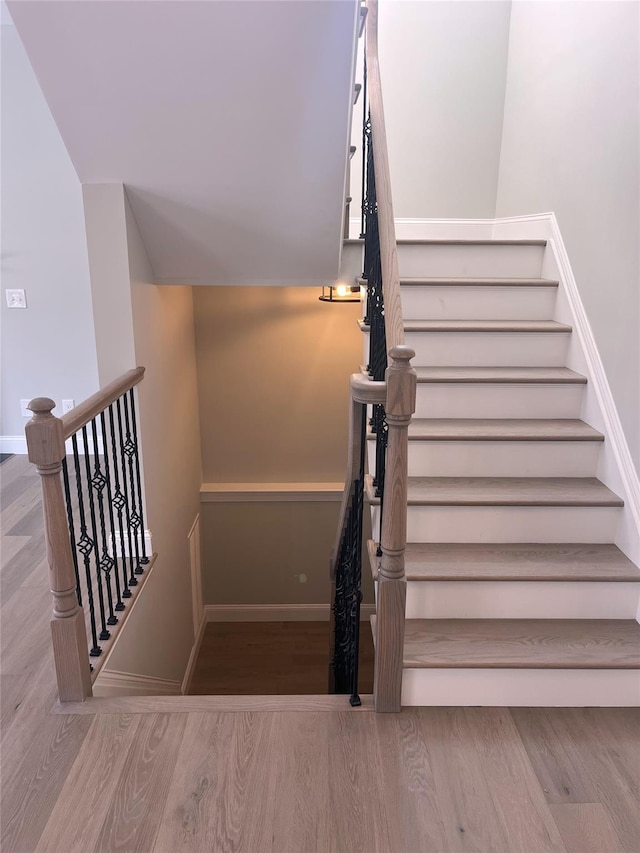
[516,592]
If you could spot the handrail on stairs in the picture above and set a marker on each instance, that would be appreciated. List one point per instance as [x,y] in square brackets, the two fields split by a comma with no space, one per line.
[94,524]
[391,390]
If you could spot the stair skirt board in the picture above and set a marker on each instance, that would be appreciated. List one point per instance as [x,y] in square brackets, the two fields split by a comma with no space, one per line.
[499,458]
[521,599]
[115,683]
[561,688]
[486,349]
[508,524]
[456,260]
[441,302]
[488,400]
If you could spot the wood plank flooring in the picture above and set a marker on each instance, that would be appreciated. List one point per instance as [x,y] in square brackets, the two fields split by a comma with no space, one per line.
[424,781]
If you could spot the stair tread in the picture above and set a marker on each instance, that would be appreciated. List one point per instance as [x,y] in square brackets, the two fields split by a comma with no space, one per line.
[535,326]
[500,375]
[473,282]
[418,242]
[501,429]
[522,643]
[505,491]
[513,562]
[478,282]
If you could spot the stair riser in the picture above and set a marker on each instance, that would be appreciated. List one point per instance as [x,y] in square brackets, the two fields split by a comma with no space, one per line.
[483,400]
[485,349]
[560,688]
[459,261]
[478,303]
[500,458]
[508,524]
[521,600]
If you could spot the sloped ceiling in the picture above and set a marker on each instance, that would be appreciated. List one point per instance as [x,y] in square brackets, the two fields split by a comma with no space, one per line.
[227,121]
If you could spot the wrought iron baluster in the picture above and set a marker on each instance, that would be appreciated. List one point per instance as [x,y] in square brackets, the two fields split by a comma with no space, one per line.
[133,580]
[144,558]
[98,484]
[117,500]
[130,451]
[85,545]
[110,503]
[72,530]
[104,632]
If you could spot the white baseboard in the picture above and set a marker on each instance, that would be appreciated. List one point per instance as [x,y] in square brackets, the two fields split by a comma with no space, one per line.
[193,657]
[114,683]
[270,492]
[13,444]
[276,612]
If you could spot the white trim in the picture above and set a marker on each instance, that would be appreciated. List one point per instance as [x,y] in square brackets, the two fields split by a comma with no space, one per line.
[114,683]
[193,657]
[276,612]
[263,492]
[410,228]
[13,444]
[195,564]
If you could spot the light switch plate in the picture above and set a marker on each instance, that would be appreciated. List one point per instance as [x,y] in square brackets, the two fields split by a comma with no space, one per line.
[16,298]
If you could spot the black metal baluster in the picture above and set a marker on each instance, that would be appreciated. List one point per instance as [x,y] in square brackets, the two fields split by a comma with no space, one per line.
[98,484]
[118,501]
[134,517]
[72,530]
[134,427]
[85,545]
[133,580]
[110,503]
[104,633]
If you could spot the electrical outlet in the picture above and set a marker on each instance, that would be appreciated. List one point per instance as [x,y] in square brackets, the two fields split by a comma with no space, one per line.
[67,405]
[16,298]
[26,413]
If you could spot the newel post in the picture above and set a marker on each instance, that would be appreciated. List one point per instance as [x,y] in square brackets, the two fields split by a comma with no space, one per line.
[392,585]
[45,445]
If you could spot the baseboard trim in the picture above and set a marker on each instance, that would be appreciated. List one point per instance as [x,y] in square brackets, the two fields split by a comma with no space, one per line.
[276,612]
[193,657]
[112,683]
[270,492]
[13,444]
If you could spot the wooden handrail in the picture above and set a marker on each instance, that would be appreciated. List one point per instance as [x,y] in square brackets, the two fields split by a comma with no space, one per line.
[394,326]
[98,402]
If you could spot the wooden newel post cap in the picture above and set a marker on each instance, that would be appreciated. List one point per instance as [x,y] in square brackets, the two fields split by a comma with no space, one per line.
[401,383]
[402,353]
[41,406]
[45,437]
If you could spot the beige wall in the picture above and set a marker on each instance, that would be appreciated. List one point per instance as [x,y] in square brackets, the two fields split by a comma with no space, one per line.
[154,328]
[273,377]
[273,371]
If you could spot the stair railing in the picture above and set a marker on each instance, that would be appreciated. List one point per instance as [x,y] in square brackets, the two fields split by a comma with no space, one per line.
[391,390]
[94,524]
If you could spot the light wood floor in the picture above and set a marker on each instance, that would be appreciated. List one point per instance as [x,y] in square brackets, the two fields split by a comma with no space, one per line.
[426,780]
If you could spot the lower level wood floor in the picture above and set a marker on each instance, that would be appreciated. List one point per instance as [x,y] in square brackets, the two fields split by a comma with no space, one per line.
[423,781]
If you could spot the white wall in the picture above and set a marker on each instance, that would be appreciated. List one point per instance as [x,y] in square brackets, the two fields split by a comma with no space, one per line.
[571,145]
[443,67]
[49,348]
[142,323]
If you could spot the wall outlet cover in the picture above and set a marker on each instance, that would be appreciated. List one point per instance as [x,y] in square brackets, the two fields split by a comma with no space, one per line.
[16,298]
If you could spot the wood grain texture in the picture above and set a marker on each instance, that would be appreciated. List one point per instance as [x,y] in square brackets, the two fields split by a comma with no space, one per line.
[501,375]
[523,643]
[501,429]
[505,491]
[519,326]
[137,804]
[534,562]
[586,828]
[477,282]
[98,402]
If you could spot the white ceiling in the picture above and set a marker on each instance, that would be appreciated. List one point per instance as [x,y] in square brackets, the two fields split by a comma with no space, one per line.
[227,120]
